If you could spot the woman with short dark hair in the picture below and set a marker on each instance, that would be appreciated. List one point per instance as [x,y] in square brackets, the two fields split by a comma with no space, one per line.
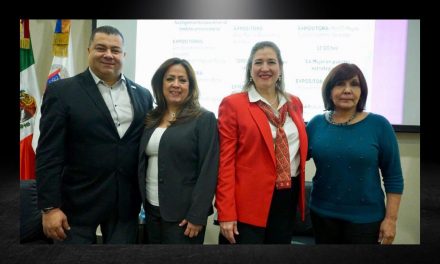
[353,151]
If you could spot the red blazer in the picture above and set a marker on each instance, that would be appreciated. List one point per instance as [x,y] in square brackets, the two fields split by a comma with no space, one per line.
[247,169]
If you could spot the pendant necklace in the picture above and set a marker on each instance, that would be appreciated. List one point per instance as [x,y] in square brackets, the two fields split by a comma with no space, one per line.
[173,116]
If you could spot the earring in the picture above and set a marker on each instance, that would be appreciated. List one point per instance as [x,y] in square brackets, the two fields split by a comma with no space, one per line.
[250,79]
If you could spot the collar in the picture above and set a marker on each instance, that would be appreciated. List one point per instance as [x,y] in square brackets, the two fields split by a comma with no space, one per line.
[98,80]
[254,96]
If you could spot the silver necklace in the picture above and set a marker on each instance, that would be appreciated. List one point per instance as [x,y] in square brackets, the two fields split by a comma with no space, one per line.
[331,120]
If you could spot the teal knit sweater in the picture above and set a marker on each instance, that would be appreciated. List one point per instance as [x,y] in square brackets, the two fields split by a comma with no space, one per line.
[349,163]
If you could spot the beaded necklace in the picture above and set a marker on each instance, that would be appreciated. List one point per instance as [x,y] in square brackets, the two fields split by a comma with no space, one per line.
[331,120]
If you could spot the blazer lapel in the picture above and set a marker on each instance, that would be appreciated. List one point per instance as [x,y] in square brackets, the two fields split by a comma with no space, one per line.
[89,86]
[261,120]
[137,110]
[146,135]
[142,159]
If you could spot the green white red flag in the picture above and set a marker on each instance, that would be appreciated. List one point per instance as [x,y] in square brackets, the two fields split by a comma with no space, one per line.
[29,98]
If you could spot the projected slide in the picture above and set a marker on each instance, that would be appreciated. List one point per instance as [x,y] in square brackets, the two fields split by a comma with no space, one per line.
[218,51]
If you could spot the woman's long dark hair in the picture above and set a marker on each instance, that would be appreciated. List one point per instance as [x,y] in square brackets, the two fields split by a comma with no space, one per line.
[189,109]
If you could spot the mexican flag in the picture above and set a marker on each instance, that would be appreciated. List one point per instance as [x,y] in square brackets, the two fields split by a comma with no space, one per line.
[29,96]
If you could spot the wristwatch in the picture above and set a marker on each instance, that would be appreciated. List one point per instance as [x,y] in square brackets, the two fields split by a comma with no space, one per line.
[47,210]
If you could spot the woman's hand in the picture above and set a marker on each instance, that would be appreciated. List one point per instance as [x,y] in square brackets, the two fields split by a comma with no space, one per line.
[191,230]
[228,230]
[387,231]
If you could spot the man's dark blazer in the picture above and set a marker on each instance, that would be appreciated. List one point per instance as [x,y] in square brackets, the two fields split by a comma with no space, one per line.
[82,164]
[187,169]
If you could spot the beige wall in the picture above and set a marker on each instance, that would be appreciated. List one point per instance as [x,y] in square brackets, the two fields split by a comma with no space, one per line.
[408,227]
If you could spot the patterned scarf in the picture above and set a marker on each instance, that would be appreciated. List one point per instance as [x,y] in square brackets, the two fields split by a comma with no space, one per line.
[282,156]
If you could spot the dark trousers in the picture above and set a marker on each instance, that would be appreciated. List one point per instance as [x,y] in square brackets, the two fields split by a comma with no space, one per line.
[114,231]
[280,221]
[336,231]
[160,231]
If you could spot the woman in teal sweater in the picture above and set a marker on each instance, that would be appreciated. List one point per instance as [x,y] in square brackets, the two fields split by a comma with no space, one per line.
[353,150]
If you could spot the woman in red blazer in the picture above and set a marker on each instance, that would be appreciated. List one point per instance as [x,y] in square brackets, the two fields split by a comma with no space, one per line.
[263,149]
